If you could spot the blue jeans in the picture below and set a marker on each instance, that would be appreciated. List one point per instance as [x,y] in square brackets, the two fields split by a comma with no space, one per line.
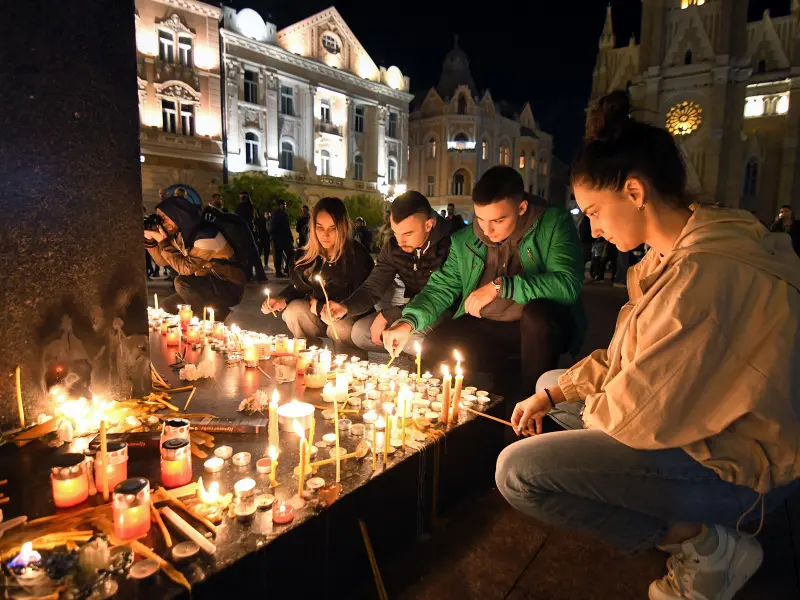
[585,480]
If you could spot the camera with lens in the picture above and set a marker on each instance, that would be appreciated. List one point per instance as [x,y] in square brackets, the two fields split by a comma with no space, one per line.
[153,222]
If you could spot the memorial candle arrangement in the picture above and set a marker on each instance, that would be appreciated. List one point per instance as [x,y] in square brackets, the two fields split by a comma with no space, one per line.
[131,508]
[176,462]
[175,428]
[69,480]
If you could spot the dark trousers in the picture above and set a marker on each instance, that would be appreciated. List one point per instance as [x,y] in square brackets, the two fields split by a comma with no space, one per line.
[265,248]
[513,352]
[152,267]
[200,292]
[284,251]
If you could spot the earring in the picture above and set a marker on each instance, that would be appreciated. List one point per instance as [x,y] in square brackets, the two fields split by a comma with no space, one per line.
[640,207]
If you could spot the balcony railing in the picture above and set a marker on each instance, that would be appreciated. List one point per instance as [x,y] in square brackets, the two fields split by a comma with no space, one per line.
[327,127]
[330,180]
[166,71]
[366,185]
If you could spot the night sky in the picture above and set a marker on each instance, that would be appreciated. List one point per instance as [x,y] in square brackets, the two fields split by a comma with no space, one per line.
[542,51]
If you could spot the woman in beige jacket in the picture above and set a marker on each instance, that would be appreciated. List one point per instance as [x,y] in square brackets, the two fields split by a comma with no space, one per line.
[688,425]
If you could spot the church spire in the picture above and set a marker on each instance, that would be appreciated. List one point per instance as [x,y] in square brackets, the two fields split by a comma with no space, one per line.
[607,39]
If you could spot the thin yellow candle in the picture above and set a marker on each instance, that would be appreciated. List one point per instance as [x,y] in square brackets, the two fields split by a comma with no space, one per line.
[446,381]
[273,474]
[456,404]
[311,439]
[271,310]
[336,432]
[210,318]
[374,446]
[418,348]
[327,304]
[18,377]
[404,393]
[387,431]
[205,314]
[104,459]
[273,420]
[299,430]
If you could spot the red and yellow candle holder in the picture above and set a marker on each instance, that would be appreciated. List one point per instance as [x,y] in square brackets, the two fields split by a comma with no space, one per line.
[69,480]
[185,314]
[173,335]
[176,462]
[131,508]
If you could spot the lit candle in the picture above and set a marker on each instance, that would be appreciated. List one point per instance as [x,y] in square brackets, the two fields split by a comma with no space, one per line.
[218,333]
[17,376]
[325,358]
[299,431]
[403,398]
[250,355]
[155,301]
[273,419]
[210,322]
[387,432]
[117,465]
[185,314]
[131,508]
[173,335]
[418,348]
[321,282]
[193,334]
[176,462]
[69,480]
[457,393]
[104,459]
[282,513]
[446,382]
[271,310]
[273,475]
[311,438]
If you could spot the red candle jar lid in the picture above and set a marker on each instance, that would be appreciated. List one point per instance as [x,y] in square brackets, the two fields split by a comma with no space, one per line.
[68,465]
[174,448]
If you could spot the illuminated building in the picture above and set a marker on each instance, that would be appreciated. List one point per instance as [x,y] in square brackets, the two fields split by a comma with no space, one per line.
[457,133]
[727,89]
[178,77]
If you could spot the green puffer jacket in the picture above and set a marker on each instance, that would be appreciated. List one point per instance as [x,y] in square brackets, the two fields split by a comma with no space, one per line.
[551,258]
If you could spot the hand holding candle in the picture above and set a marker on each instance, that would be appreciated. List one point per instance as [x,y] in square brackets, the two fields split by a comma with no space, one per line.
[269,304]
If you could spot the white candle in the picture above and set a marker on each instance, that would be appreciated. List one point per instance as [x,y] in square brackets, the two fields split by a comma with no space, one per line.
[188,530]
[273,419]
[155,300]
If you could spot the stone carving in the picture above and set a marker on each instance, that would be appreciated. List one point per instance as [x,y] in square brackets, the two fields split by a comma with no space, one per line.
[177,89]
[174,23]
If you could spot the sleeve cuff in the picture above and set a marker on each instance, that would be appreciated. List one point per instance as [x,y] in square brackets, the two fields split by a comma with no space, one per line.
[507,290]
[405,320]
[568,387]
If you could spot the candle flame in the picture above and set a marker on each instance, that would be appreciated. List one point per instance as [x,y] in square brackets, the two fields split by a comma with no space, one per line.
[26,556]
[273,453]
[266,291]
[298,429]
[418,348]
[459,372]
[457,355]
[318,278]
[445,371]
[210,495]
[275,397]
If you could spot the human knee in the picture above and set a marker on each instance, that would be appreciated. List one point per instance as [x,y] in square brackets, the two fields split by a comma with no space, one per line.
[521,472]
[361,334]
[537,317]
[291,314]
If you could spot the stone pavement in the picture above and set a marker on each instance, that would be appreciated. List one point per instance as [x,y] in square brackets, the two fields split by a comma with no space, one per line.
[485,550]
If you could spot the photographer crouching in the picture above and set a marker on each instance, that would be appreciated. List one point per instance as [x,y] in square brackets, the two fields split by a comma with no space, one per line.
[208,272]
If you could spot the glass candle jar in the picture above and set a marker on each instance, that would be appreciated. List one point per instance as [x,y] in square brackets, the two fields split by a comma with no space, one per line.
[176,462]
[185,314]
[175,428]
[117,469]
[316,377]
[218,333]
[193,334]
[250,355]
[131,508]
[299,345]
[285,369]
[281,344]
[173,335]
[69,480]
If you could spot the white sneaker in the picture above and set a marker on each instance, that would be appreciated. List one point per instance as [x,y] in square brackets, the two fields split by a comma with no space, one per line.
[715,577]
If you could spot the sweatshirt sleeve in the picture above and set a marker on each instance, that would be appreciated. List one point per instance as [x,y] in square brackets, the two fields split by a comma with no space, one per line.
[375,286]
[668,396]
[442,289]
[186,264]
[294,290]
[563,277]
[585,377]
[362,266]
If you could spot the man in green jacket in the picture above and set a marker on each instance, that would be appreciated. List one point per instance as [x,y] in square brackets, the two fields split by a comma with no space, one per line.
[518,272]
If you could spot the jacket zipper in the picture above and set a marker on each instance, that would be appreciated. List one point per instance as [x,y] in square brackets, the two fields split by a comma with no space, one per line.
[531,255]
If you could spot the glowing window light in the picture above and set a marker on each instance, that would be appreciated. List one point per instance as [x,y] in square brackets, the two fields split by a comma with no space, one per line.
[783,105]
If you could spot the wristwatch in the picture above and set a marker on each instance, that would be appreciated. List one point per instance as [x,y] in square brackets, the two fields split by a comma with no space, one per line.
[498,285]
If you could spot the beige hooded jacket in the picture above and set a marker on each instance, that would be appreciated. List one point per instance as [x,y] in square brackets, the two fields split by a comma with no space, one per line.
[706,354]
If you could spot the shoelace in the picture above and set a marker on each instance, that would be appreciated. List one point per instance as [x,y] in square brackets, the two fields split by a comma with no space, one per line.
[680,567]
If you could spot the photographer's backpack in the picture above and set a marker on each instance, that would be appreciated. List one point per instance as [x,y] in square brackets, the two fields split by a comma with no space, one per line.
[236,231]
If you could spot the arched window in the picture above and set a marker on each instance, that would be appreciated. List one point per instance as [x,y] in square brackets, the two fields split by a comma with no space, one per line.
[251,152]
[358,123]
[358,168]
[431,148]
[325,162]
[286,160]
[750,183]
[392,173]
[458,183]
[687,58]
[543,165]
[522,160]
[761,67]
[505,155]
[484,150]
[462,104]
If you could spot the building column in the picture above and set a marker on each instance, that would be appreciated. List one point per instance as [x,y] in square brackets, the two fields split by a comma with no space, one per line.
[232,72]
[346,145]
[402,160]
[381,115]
[307,144]
[272,141]
[789,186]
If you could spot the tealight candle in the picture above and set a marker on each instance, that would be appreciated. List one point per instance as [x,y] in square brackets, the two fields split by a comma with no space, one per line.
[264,501]
[295,411]
[131,508]
[185,551]
[345,424]
[214,465]
[69,480]
[264,466]
[282,513]
[218,333]
[224,452]
[144,569]
[176,462]
[117,469]
[315,483]
[241,459]
[329,438]
[244,488]
[357,429]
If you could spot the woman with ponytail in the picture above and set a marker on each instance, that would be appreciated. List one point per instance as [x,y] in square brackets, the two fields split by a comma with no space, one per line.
[686,427]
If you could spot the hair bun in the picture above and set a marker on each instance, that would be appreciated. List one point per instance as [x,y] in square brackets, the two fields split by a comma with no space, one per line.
[609,116]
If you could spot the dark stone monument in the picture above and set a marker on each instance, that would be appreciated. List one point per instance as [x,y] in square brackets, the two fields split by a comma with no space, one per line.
[72,281]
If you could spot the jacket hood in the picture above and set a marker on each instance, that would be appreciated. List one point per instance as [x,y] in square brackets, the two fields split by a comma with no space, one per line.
[185,215]
[536,207]
[441,229]
[738,235]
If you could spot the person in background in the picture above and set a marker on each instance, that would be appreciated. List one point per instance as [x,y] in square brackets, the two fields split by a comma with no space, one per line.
[181,193]
[362,234]
[419,246]
[518,274]
[262,236]
[282,242]
[301,227]
[786,223]
[443,212]
[247,211]
[456,222]
[162,195]
[151,266]
[342,264]
[384,233]
[205,263]
[687,426]
[216,202]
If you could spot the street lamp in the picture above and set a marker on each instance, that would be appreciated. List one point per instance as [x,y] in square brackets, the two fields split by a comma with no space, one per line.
[399,189]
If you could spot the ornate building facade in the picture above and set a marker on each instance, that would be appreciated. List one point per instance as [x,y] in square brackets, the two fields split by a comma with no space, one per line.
[455,134]
[178,79]
[307,103]
[727,89]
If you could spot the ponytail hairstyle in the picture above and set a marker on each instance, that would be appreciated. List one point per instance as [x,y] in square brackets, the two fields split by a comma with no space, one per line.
[338,212]
[617,147]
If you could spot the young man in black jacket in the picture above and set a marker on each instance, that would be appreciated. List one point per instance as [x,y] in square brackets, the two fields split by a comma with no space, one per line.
[420,245]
